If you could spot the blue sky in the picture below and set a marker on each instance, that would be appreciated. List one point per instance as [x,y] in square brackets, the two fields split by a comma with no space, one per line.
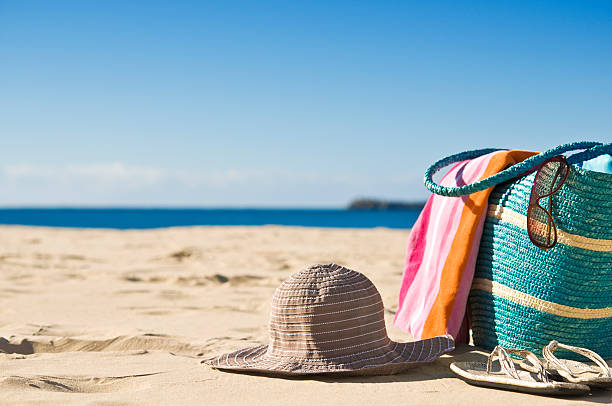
[284,103]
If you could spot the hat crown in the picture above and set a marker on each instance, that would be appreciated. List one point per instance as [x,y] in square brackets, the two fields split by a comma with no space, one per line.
[326,313]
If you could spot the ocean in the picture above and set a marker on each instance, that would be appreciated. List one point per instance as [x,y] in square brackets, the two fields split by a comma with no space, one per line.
[138,218]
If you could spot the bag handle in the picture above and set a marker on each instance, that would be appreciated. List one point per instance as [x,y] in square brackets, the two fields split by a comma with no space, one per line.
[593,149]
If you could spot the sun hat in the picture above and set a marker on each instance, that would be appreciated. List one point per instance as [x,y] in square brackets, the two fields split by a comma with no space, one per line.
[327,319]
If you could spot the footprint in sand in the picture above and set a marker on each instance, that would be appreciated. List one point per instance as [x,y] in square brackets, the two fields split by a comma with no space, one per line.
[24,347]
[141,344]
[201,280]
[185,253]
[218,279]
[85,384]
[172,295]
[73,257]
[132,291]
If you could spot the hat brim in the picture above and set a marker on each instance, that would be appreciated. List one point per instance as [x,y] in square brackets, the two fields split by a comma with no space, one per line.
[392,358]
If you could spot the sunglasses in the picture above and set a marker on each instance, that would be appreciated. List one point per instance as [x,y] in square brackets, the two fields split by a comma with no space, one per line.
[549,178]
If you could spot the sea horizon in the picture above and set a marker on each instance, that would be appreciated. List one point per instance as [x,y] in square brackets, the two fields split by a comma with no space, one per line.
[142,217]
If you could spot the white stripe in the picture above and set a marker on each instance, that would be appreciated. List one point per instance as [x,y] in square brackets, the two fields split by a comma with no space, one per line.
[332,341]
[430,349]
[573,240]
[279,289]
[305,360]
[351,292]
[380,356]
[333,350]
[243,358]
[326,322]
[327,331]
[412,351]
[309,281]
[237,354]
[399,356]
[254,360]
[309,275]
[310,306]
[527,300]
[421,352]
[437,353]
[312,315]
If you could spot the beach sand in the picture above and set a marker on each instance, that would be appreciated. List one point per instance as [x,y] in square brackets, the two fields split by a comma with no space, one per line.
[106,317]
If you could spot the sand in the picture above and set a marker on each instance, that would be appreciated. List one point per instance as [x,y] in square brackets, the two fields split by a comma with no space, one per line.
[106,317]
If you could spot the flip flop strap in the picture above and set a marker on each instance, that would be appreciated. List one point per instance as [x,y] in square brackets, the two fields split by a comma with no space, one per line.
[507,363]
[563,370]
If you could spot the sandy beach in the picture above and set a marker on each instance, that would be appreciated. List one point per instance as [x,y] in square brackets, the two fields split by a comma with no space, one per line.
[106,317]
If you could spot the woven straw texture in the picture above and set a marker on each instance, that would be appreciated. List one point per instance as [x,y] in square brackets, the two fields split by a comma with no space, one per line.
[328,319]
[524,297]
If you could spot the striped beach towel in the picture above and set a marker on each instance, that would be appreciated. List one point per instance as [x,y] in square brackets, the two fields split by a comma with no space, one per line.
[442,251]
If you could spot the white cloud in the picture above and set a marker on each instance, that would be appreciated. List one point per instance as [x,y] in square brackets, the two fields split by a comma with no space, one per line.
[118,183]
[115,172]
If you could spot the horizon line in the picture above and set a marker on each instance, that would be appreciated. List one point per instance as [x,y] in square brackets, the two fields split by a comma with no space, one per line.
[176,207]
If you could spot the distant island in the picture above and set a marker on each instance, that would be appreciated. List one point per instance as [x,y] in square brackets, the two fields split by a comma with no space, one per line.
[374,204]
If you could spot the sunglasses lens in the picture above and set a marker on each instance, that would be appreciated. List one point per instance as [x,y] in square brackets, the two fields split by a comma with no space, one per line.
[550,178]
[541,227]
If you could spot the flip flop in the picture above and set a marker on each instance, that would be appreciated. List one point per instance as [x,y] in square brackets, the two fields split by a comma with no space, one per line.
[596,376]
[506,376]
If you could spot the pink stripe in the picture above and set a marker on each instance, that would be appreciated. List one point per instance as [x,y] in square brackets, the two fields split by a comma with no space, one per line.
[415,251]
[432,238]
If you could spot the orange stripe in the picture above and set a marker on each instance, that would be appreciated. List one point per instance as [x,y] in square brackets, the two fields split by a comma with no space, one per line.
[475,207]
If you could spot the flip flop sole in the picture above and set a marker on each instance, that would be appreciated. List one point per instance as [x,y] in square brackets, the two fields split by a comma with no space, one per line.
[475,373]
[599,383]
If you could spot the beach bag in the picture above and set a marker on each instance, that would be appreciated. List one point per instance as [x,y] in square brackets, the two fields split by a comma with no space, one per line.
[524,296]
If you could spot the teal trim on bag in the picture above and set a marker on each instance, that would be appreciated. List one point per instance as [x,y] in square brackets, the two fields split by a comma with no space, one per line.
[593,149]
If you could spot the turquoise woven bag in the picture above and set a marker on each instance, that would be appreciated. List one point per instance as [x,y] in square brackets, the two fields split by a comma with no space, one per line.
[523,296]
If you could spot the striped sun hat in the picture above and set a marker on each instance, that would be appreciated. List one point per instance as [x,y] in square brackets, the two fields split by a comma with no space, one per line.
[330,319]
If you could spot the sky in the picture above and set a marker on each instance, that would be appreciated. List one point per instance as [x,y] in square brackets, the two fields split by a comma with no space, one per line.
[284,104]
